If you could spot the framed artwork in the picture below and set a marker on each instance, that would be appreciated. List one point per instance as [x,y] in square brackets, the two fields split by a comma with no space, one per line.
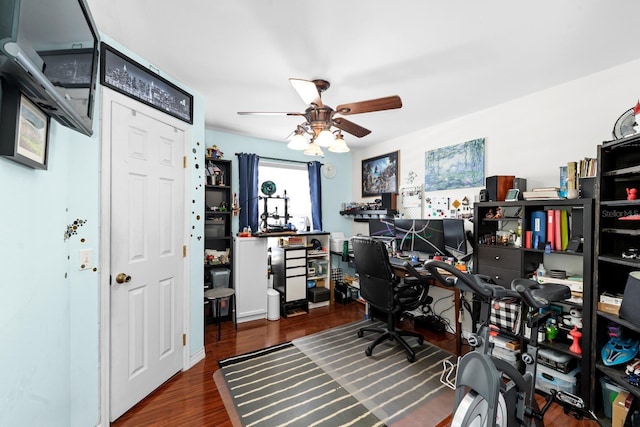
[70,68]
[24,130]
[130,78]
[456,166]
[380,175]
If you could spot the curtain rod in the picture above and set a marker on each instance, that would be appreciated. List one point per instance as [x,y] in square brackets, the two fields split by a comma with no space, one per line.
[282,160]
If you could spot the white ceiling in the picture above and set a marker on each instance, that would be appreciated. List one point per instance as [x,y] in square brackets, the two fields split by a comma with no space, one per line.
[444,59]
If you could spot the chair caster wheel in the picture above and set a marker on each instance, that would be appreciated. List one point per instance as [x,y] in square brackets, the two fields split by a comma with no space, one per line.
[411,358]
[360,334]
[368,352]
[420,341]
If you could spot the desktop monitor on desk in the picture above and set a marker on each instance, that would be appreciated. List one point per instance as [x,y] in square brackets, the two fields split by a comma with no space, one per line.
[420,235]
[381,228]
[455,238]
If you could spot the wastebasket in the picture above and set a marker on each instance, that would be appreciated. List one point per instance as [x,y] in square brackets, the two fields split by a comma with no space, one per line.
[273,304]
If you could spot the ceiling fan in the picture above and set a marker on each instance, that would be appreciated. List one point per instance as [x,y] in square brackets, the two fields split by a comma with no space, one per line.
[319,117]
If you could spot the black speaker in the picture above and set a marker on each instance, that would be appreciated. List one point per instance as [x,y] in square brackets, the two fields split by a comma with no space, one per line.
[484,195]
[389,201]
[498,186]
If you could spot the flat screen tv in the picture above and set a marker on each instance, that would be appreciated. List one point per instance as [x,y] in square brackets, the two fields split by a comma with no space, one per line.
[49,51]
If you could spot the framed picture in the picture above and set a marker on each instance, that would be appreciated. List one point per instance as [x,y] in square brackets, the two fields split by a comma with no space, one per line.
[24,130]
[130,78]
[70,68]
[380,175]
[455,166]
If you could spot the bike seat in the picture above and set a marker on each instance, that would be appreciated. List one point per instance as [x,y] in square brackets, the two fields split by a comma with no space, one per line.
[540,295]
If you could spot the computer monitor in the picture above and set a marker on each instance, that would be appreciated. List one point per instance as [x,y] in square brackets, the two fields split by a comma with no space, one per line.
[429,236]
[420,235]
[403,229]
[455,238]
[381,228]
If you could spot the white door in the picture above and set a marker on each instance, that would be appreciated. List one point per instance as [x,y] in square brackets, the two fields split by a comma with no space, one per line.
[147,238]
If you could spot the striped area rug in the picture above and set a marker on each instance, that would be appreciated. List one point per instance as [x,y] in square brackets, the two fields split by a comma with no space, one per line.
[325,379]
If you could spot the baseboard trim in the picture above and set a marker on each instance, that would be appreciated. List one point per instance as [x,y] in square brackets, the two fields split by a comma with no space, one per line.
[197,357]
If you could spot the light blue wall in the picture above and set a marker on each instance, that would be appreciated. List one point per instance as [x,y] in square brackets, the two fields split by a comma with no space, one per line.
[335,191]
[49,310]
[49,340]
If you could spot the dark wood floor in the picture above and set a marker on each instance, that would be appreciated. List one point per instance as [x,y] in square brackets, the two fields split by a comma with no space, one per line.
[191,399]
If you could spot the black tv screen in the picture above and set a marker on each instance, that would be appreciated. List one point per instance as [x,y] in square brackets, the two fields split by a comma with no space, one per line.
[49,51]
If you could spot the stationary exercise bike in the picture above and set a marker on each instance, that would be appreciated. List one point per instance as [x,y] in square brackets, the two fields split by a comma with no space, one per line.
[489,391]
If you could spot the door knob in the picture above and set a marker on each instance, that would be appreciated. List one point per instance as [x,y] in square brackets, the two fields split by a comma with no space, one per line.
[123,278]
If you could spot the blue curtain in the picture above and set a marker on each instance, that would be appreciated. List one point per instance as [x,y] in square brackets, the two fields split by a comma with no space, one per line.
[248,194]
[315,188]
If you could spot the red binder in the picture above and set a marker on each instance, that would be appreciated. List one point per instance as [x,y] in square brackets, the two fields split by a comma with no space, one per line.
[551,228]
[557,242]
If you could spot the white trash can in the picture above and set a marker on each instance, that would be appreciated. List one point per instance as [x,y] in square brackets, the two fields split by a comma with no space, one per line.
[273,304]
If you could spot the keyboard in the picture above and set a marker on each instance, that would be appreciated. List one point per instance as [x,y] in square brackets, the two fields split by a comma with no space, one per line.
[395,261]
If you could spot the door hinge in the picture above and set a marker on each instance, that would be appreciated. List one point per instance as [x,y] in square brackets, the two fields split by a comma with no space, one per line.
[184,251]
[184,339]
[184,162]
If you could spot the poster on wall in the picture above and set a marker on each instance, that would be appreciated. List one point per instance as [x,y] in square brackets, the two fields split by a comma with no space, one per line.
[380,175]
[456,166]
[124,75]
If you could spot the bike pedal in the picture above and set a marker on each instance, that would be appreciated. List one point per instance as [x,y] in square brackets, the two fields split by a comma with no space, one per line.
[570,399]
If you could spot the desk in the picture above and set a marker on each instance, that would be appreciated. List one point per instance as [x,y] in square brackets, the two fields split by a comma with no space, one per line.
[402,272]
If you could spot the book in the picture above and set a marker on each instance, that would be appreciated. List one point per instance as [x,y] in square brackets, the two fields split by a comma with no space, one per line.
[541,195]
[572,176]
[563,181]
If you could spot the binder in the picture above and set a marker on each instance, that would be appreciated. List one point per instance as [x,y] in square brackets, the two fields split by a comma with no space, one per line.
[564,229]
[538,229]
[551,228]
[557,242]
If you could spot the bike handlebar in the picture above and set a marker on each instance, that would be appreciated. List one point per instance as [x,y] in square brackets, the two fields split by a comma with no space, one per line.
[534,294]
[476,283]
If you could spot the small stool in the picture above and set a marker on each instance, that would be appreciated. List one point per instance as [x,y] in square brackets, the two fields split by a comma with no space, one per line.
[216,295]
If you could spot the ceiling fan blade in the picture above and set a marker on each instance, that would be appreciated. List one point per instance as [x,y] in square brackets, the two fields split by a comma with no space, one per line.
[308,91]
[352,128]
[387,103]
[258,113]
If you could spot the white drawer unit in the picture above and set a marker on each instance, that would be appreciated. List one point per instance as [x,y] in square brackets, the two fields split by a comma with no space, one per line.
[298,267]
[289,267]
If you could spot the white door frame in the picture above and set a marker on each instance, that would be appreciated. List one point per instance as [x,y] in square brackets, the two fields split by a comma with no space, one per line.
[108,96]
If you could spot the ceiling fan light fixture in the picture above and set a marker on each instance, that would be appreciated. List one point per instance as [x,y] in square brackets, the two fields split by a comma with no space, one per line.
[298,141]
[325,138]
[313,149]
[340,145]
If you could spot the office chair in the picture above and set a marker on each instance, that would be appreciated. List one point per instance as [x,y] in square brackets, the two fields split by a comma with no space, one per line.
[386,292]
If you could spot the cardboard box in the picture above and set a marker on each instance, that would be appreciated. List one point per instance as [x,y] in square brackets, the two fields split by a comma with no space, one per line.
[621,408]
[613,299]
[609,308]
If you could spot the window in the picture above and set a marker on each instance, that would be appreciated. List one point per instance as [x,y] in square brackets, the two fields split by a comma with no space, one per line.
[294,179]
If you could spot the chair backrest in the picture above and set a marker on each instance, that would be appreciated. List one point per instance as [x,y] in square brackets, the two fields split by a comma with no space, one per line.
[377,280]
